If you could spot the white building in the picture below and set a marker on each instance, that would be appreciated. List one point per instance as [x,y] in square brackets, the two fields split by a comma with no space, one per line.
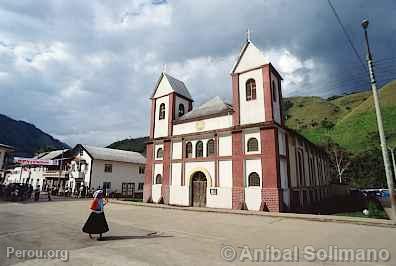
[4,151]
[115,171]
[41,175]
[234,155]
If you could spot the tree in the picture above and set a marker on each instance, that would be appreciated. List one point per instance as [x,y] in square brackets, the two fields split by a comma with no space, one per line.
[340,160]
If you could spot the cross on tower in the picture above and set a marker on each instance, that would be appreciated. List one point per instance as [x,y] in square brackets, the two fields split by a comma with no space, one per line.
[248,33]
[164,70]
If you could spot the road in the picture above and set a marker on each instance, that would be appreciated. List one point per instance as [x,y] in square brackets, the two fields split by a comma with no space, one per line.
[154,236]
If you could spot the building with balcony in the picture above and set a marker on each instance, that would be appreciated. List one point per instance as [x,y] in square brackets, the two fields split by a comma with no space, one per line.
[115,171]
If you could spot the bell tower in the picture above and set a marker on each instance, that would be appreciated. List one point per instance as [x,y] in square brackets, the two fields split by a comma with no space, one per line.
[256,88]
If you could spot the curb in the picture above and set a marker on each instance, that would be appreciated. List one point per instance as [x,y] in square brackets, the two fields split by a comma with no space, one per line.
[307,217]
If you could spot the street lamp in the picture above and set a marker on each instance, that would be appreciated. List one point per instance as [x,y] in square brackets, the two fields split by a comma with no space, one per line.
[384,148]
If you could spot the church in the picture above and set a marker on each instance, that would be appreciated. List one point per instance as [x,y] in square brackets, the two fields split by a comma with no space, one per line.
[237,155]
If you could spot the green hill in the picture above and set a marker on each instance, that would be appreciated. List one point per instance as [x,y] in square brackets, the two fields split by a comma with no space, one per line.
[26,138]
[348,120]
[137,145]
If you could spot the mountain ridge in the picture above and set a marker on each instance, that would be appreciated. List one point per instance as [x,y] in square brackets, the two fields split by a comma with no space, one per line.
[26,138]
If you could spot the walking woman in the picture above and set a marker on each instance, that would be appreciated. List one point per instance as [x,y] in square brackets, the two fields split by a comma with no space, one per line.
[96,223]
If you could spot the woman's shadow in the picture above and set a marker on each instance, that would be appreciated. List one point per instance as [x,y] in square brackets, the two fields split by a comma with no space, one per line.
[147,236]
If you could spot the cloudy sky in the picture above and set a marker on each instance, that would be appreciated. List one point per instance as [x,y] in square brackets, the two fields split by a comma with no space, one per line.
[83,71]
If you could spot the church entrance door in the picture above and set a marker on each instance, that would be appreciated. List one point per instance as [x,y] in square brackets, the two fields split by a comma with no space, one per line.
[198,184]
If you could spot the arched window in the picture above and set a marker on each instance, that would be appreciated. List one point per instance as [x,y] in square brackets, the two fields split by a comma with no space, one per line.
[210,147]
[274,91]
[250,90]
[252,145]
[162,111]
[189,150]
[160,153]
[181,109]
[199,149]
[254,180]
[158,179]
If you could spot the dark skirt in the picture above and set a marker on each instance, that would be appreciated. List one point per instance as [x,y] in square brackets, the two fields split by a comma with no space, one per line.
[96,224]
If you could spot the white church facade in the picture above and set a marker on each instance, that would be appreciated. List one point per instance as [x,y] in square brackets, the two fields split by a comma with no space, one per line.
[233,156]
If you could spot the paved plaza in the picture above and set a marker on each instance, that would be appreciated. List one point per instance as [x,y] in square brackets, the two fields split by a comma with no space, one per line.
[154,236]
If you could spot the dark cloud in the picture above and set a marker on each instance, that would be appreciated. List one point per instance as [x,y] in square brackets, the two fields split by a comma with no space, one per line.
[84,70]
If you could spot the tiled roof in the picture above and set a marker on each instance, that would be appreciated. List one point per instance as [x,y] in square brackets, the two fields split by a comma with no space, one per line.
[178,86]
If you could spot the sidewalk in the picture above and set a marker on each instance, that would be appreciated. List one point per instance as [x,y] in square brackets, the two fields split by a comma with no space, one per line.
[309,217]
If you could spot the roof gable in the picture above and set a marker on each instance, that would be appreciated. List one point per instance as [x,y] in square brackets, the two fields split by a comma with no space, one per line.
[250,57]
[167,84]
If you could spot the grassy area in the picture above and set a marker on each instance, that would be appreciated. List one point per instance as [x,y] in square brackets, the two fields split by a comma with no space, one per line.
[374,212]
[348,120]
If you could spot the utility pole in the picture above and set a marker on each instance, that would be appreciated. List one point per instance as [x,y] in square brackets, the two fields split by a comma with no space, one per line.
[392,150]
[384,148]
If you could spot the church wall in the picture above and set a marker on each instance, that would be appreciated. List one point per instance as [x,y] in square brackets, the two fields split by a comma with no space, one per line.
[177,147]
[225,174]
[203,125]
[161,126]
[176,174]
[156,147]
[179,101]
[252,133]
[276,104]
[208,168]
[223,199]
[164,88]
[156,192]
[251,111]
[253,194]
[225,145]
[179,195]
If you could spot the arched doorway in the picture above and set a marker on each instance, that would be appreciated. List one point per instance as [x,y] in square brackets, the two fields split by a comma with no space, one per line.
[198,187]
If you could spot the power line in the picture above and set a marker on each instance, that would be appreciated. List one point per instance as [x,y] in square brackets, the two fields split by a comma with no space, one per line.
[347,35]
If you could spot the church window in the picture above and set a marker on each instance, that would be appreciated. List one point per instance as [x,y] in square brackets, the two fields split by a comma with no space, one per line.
[181,109]
[160,153]
[189,150]
[252,145]
[273,91]
[158,179]
[210,147]
[199,149]
[250,90]
[254,180]
[162,111]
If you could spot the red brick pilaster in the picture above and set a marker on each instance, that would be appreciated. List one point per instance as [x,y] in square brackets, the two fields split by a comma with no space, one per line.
[148,173]
[235,100]
[269,115]
[171,115]
[152,118]
[238,196]
[166,171]
[271,192]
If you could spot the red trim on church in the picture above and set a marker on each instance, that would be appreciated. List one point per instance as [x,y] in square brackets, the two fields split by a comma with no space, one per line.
[235,100]
[148,173]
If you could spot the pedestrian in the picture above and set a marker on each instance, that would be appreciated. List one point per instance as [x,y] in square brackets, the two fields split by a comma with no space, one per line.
[81,191]
[49,193]
[37,193]
[96,223]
